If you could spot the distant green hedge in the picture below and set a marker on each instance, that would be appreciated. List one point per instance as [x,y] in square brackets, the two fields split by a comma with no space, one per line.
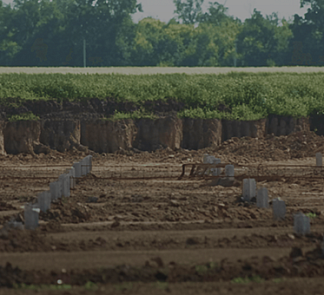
[247,96]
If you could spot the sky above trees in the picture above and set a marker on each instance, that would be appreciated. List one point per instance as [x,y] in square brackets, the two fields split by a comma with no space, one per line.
[242,9]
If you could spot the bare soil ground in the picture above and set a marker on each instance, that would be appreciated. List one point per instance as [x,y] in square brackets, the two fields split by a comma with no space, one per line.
[159,235]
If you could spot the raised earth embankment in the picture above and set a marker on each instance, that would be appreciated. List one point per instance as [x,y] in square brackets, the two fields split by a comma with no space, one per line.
[81,125]
[105,136]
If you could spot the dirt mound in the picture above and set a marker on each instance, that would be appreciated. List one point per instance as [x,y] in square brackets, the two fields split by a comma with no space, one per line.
[295,145]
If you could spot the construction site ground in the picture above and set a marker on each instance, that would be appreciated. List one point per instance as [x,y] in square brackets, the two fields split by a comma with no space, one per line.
[133,227]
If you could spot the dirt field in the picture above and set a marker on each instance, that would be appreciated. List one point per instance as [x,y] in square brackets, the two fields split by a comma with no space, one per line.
[156,70]
[156,233]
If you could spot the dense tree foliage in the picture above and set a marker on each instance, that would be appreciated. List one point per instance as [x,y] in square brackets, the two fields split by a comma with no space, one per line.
[308,42]
[262,41]
[189,11]
[53,32]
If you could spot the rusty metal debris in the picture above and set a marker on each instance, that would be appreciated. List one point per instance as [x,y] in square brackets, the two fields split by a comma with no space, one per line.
[199,169]
[260,172]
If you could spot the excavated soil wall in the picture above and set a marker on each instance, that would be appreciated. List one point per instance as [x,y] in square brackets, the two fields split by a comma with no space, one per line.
[2,147]
[21,136]
[199,133]
[60,135]
[106,136]
[157,134]
[317,123]
[280,125]
[255,129]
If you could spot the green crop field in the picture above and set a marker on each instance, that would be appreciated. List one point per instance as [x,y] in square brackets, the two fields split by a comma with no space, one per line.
[236,95]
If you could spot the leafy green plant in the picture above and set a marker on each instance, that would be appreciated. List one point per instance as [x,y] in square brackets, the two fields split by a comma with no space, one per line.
[133,115]
[311,215]
[124,286]
[200,113]
[240,280]
[202,269]
[91,286]
[162,285]
[247,96]
[255,279]
[278,280]
[23,117]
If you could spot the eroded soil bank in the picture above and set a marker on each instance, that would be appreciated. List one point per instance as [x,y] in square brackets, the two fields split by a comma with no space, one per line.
[107,136]
[81,125]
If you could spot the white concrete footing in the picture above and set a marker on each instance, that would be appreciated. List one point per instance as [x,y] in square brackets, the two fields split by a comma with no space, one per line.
[65,185]
[60,188]
[319,159]
[279,209]
[262,198]
[55,189]
[301,224]
[229,171]
[44,201]
[207,159]
[84,164]
[77,167]
[72,178]
[249,189]
[31,215]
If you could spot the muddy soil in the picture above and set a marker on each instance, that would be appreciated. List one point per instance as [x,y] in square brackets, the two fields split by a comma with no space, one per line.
[132,226]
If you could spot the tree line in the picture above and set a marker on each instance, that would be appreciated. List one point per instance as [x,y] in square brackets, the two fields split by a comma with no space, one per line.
[63,32]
